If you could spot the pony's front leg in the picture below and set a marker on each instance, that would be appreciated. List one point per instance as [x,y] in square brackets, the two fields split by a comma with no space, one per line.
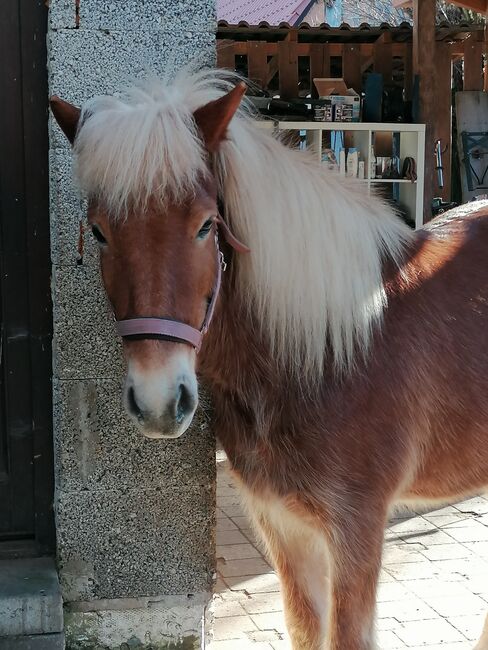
[483,642]
[299,555]
[355,566]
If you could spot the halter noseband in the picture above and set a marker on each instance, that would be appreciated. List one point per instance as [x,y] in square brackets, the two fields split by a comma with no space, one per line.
[174,330]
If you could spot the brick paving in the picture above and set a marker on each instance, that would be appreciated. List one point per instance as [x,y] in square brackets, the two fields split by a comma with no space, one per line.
[433,590]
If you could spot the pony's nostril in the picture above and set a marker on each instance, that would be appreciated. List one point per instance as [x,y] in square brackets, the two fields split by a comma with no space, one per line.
[133,406]
[185,403]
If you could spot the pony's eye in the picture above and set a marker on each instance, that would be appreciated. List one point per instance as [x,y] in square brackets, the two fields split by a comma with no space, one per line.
[205,229]
[97,233]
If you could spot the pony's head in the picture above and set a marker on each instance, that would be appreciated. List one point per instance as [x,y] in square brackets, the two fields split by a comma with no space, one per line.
[145,165]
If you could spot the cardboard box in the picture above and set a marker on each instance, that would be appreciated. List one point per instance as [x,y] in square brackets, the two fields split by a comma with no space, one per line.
[346,108]
[346,103]
[330,86]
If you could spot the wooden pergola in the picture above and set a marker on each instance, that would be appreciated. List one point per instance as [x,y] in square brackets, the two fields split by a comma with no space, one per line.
[416,57]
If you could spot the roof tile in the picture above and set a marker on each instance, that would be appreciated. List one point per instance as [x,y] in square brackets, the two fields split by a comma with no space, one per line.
[255,11]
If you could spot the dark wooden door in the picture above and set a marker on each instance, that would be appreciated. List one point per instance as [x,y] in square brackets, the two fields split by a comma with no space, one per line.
[26,455]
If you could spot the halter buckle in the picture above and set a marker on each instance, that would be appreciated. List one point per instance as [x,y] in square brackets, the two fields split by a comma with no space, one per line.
[223,263]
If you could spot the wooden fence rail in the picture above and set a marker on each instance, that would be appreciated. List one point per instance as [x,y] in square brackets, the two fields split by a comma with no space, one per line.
[264,61]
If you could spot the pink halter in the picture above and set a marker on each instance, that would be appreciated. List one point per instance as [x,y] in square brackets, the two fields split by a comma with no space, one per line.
[174,330]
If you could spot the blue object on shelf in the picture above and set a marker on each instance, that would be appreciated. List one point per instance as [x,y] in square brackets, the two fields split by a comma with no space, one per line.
[373,97]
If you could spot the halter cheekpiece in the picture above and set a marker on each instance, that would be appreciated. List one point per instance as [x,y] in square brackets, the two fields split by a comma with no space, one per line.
[174,330]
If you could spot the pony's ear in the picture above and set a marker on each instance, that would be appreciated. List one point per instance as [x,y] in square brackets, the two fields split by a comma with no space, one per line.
[67,116]
[214,118]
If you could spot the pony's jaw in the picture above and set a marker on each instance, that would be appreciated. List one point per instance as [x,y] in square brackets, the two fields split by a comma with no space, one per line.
[162,400]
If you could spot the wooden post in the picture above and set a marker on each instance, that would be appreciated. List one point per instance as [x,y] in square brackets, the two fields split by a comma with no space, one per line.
[351,66]
[288,62]
[424,47]
[257,63]
[473,62]
[485,70]
[319,63]
[382,56]
[408,67]
[226,55]
[443,123]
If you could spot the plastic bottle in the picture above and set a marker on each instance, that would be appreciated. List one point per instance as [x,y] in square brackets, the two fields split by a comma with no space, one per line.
[352,162]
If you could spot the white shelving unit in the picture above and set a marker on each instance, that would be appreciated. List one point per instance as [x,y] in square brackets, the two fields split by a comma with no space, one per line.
[412,144]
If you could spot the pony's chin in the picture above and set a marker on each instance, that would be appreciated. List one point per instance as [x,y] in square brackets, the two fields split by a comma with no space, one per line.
[172,434]
[159,435]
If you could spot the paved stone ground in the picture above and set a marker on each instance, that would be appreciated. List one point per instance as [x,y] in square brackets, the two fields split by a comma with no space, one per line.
[433,590]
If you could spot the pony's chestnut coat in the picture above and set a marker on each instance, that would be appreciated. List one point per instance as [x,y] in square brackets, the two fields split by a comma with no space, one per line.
[348,357]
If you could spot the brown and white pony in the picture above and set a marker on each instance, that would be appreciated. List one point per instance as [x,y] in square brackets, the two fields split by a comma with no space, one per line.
[347,358]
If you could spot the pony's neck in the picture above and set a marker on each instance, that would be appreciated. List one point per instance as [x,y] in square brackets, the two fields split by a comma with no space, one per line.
[246,383]
[234,352]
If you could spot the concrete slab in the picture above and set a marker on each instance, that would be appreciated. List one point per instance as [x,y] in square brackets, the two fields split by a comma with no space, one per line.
[33,642]
[30,598]
[155,623]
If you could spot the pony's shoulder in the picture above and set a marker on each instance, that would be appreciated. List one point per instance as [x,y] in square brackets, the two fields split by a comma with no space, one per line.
[454,238]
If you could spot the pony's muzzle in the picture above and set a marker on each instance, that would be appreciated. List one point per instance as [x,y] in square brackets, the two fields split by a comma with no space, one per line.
[162,402]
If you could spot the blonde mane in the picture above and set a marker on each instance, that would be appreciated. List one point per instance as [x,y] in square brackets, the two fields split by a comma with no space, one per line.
[318,241]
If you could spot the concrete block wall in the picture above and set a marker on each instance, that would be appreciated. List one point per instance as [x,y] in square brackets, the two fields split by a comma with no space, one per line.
[134,517]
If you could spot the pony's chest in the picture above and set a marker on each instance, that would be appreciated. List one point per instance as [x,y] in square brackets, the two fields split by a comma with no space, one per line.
[281,443]
[250,462]
[259,465]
